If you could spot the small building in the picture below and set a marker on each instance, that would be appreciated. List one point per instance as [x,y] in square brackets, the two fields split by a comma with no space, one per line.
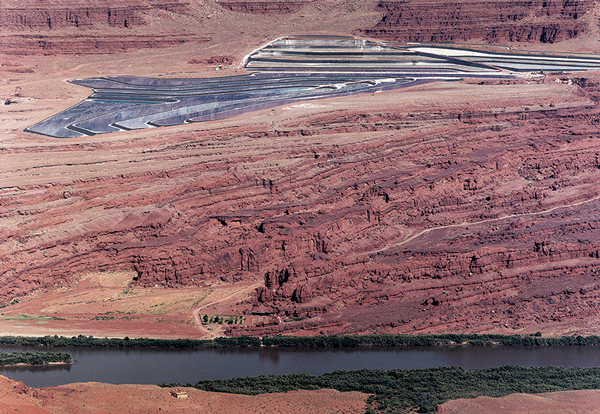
[178,393]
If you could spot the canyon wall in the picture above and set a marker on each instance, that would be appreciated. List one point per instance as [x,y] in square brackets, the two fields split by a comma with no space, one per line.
[31,27]
[88,28]
[445,207]
[264,7]
[499,21]
[409,211]
[33,16]
[77,45]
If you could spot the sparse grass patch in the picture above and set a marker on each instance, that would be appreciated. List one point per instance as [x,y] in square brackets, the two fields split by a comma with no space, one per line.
[204,296]
[300,318]
[12,302]
[111,318]
[114,279]
[26,317]
[129,301]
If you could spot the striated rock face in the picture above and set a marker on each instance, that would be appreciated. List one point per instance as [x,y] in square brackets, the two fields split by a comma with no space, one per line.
[66,45]
[446,207]
[494,22]
[47,19]
[73,28]
[35,16]
[265,7]
[31,27]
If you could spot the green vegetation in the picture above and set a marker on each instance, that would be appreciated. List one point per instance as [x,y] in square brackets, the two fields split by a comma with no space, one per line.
[110,318]
[12,302]
[399,391]
[426,340]
[33,358]
[224,319]
[323,341]
[90,341]
[26,317]
[297,319]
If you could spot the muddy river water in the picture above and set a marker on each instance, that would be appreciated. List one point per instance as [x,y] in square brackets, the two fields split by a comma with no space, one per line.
[152,366]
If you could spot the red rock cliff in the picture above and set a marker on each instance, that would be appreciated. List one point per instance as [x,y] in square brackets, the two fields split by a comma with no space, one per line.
[398,212]
[265,7]
[492,21]
[36,16]
[92,27]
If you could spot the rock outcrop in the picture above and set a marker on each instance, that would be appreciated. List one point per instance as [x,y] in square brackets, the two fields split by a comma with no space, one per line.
[69,27]
[79,28]
[66,45]
[445,207]
[401,212]
[265,7]
[498,21]
[36,16]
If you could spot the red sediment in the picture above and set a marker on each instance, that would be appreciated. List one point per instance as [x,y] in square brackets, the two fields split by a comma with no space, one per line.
[498,21]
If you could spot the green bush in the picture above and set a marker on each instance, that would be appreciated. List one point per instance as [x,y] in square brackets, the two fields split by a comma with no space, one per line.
[324,341]
[90,341]
[33,358]
[422,389]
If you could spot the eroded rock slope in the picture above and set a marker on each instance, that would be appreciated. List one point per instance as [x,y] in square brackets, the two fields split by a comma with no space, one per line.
[443,207]
[499,21]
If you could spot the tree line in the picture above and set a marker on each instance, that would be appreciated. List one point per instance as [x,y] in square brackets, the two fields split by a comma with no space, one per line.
[388,340]
[90,341]
[33,358]
[322,341]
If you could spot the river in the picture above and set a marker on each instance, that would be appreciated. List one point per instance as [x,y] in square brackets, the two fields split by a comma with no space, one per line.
[153,366]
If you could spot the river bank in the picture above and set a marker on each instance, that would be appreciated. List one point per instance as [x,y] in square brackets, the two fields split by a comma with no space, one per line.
[99,398]
[330,367]
[320,341]
[172,365]
[421,390]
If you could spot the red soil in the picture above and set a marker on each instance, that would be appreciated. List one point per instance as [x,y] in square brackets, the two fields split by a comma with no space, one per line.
[575,402]
[97,398]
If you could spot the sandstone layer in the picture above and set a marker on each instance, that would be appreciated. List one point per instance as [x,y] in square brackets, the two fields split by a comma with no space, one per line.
[499,21]
[97,27]
[264,7]
[448,207]
[408,211]
[104,27]
[70,27]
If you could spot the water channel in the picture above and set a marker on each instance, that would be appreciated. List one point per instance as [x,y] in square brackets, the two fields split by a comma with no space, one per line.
[153,366]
